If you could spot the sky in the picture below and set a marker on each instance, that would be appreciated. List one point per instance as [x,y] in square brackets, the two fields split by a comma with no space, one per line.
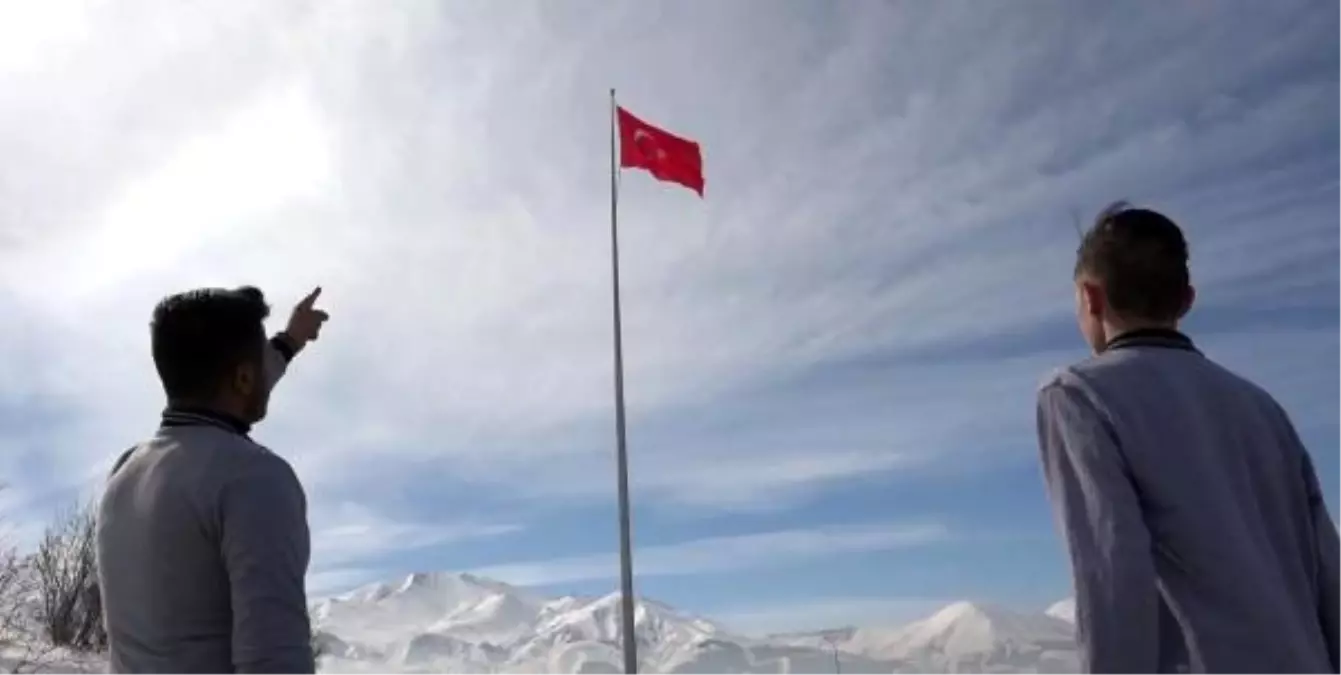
[831,358]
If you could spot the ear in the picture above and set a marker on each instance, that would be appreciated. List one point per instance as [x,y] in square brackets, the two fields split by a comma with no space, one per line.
[246,379]
[1189,297]
[1093,302]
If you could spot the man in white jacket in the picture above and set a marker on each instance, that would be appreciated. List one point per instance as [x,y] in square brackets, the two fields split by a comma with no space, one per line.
[202,534]
[1194,519]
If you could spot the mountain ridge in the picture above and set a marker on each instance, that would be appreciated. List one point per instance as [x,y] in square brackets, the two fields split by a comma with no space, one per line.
[459,622]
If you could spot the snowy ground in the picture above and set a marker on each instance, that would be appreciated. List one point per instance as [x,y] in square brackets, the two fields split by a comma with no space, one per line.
[28,660]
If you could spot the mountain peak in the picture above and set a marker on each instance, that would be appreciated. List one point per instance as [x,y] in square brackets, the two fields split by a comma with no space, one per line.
[463,622]
[462,606]
[964,611]
[433,579]
[1064,610]
[416,580]
[966,634]
[453,580]
[961,609]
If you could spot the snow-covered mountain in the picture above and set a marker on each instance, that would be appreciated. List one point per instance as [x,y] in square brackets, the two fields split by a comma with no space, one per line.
[974,638]
[445,622]
[464,606]
[1064,610]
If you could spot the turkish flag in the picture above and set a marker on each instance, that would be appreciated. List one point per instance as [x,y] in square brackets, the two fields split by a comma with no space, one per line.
[663,154]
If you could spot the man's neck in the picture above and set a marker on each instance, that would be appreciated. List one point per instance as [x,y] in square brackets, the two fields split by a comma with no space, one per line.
[1116,329]
[1158,335]
[184,411]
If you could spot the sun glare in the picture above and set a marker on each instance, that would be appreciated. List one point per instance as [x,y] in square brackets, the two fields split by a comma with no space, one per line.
[30,32]
[218,185]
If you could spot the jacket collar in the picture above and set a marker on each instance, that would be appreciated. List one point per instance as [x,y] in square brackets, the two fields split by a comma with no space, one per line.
[191,416]
[1152,337]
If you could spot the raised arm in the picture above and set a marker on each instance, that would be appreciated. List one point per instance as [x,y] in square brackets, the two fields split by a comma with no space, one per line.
[1117,603]
[266,547]
[304,326]
[278,353]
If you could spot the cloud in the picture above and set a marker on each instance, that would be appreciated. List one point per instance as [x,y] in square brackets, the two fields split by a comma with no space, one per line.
[270,153]
[28,33]
[16,532]
[822,434]
[353,533]
[351,543]
[725,554]
[324,583]
[745,483]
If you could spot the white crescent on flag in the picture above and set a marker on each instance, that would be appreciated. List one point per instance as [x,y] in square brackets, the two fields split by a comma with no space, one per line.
[647,145]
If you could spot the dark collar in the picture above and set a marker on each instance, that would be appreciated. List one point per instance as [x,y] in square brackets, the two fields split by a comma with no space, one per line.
[1152,337]
[192,416]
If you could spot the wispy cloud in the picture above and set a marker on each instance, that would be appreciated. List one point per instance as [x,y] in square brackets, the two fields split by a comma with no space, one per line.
[724,554]
[353,533]
[271,153]
[352,544]
[323,583]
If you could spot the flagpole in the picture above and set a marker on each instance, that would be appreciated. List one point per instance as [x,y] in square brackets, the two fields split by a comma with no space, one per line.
[621,454]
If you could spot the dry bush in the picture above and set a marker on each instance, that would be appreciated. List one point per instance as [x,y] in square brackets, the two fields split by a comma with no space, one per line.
[67,582]
[22,649]
[14,587]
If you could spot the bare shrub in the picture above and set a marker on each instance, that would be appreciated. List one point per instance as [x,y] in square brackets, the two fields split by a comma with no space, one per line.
[70,611]
[22,649]
[12,593]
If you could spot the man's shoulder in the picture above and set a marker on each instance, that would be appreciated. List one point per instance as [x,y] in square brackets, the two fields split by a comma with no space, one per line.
[207,450]
[1126,372]
[1068,377]
[1085,379]
[1120,363]
[263,480]
[254,460]
[1053,378]
[256,469]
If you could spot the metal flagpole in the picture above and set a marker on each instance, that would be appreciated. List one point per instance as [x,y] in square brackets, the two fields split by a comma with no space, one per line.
[621,454]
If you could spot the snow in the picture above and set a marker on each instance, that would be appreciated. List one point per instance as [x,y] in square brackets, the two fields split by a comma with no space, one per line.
[468,607]
[965,636]
[443,622]
[459,623]
[815,638]
[16,659]
[1064,610]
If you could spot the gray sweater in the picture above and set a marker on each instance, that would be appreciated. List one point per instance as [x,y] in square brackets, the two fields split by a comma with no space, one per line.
[203,548]
[1197,531]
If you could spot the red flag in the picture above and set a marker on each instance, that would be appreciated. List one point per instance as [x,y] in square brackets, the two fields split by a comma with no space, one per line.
[663,154]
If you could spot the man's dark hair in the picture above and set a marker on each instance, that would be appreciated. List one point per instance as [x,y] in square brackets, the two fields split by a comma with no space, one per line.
[200,336]
[1139,256]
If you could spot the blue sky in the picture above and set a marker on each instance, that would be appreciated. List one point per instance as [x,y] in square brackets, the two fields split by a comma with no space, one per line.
[831,359]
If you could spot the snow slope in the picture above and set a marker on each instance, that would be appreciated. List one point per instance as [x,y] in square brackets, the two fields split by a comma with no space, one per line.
[459,623]
[17,659]
[444,622]
[1064,610]
[969,637]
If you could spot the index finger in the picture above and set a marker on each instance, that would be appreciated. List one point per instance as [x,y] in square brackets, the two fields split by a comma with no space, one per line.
[311,298]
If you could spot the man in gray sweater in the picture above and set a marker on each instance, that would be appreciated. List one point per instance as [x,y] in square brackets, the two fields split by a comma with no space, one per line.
[1196,527]
[202,534]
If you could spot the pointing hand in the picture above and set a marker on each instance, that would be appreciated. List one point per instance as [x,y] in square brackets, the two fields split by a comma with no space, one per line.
[306,320]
